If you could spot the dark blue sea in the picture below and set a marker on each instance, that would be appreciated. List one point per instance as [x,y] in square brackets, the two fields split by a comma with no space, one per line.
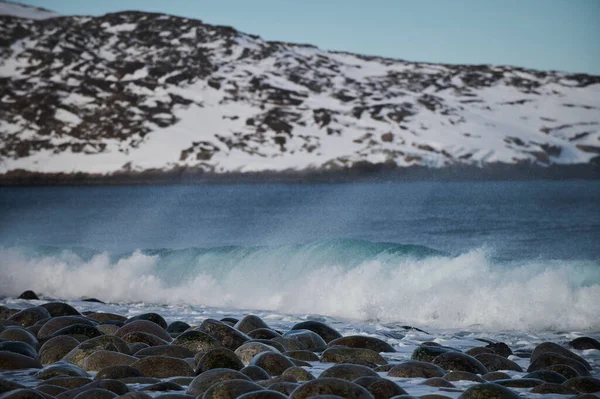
[499,255]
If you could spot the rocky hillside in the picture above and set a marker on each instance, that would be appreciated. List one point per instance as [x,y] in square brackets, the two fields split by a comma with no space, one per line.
[135,91]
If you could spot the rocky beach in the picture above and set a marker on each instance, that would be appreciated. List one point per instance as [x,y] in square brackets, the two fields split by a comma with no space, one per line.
[92,350]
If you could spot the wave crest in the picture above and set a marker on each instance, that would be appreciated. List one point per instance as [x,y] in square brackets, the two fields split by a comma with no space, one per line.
[348,279]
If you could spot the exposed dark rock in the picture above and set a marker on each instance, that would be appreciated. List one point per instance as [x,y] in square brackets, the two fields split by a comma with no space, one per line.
[359,341]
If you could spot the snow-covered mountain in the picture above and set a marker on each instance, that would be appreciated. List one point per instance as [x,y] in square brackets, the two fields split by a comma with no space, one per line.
[136,91]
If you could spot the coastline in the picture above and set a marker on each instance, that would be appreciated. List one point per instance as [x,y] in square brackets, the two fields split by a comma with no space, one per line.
[358,173]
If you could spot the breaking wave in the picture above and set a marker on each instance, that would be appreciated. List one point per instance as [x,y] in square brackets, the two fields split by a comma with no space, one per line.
[351,279]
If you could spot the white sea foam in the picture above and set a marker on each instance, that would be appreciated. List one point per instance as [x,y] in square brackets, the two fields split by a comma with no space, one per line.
[467,291]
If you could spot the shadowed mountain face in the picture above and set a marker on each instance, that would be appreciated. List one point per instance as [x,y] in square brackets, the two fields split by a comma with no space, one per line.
[134,91]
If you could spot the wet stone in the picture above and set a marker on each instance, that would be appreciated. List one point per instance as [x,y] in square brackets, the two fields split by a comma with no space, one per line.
[584,343]
[519,382]
[247,351]
[255,373]
[416,369]
[331,386]
[230,389]
[497,363]
[202,382]
[118,372]
[344,355]
[462,376]
[144,326]
[196,341]
[438,382]
[583,384]
[428,353]
[250,323]
[348,372]
[226,335]
[323,330]
[172,350]
[552,388]
[311,340]
[21,348]
[273,363]
[551,347]
[101,359]
[263,333]
[30,316]
[380,388]
[151,317]
[456,361]
[218,358]
[298,373]
[57,309]
[16,361]
[163,367]
[489,391]
[547,375]
[60,369]
[359,341]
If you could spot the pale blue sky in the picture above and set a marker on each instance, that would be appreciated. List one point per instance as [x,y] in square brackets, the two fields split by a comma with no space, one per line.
[542,34]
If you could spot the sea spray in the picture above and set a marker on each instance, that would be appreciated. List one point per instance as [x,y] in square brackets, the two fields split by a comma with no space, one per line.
[349,279]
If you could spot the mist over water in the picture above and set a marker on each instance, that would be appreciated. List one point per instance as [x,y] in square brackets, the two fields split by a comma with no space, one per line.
[492,256]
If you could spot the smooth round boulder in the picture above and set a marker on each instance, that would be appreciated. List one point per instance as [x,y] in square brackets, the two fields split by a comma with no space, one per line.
[135,395]
[323,330]
[263,333]
[583,384]
[52,390]
[165,350]
[57,323]
[101,359]
[68,382]
[478,350]
[425,353]
[163,386]
[265,394]
[349,372]
[306,356]
[30,316]
[60,370]
[348,355]
[23,393]
[547,375]
[19,347]
[360,341]
[7,385]
[283,387]
[79,330]
[230,389]
[380,388]
[551,388]
[86,348]
[500,349]
[247,351]
[457,361]
[218,358]
[438,382]
[462,376]
[151,317]
[96,393]
[547,359]
[108,329]
[146,338]
[57,309]
[273,363]
[566,371]
[255,373]
[416,369]
[177,327]
[163,367]
[135,347]
[250,323]
[331,386]
[283,344]
[519,382]
[28,295]
[495,376]
[228,336]
[311,340]
[101,317]
[583,343]
[117,387]
[489,391]
[196,341]
[56,348]
[497,363]
[144,326]
[298,373]
[551,347]
[18,334]
[15,361]
[201,383]
[118,373]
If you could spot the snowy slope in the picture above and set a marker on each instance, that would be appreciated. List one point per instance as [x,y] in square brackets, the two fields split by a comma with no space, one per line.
[135,91]
[24,11]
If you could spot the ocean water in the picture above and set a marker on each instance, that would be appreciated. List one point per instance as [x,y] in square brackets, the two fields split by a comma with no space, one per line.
[516,261]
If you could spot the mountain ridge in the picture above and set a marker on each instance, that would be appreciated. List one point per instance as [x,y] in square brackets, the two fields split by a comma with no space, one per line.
[131,91]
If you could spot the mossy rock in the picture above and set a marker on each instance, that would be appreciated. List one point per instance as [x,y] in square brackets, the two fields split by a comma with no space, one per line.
[273,363]
[349,372]
[416,369]
[218,358]
[202,382]
[163,367]
[346,355]
[331,386]
[196,341]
